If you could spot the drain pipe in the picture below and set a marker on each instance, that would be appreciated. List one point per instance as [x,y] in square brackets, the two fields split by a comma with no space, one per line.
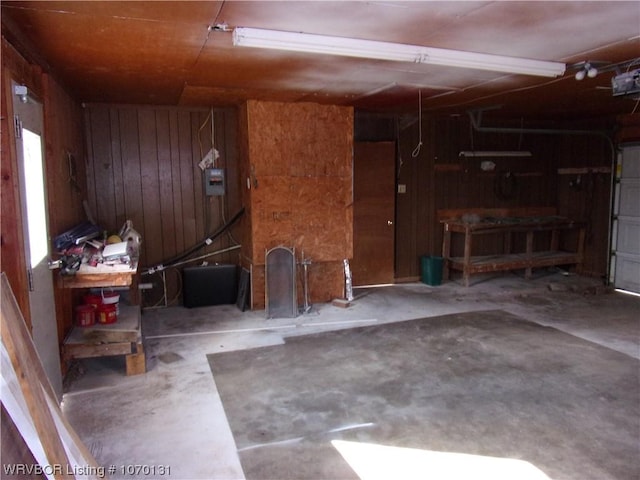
[476,119]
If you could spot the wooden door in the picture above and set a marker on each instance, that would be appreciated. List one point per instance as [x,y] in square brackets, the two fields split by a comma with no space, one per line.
[373,213]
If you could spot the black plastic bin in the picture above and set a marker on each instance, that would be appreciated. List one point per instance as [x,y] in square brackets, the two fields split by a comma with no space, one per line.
[209,285]
[431,268]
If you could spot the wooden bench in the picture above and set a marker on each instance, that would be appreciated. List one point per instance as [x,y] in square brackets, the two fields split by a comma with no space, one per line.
[529,221]
[121,338]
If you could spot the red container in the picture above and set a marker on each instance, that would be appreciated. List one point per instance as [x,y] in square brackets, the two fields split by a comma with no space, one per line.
[85,315]
[92,299]
[107,314]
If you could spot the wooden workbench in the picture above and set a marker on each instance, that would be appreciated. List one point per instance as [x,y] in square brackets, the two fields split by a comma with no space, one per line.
[100,276]
[509,260]
[121,338]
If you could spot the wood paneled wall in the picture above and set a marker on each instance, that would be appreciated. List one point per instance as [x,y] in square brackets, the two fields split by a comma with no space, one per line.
[66,185]
[143,167]
[298,174]
[436,178]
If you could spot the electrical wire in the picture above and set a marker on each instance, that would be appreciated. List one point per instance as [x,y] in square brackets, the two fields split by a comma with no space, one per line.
[399,150]
[198,246]
[416,151]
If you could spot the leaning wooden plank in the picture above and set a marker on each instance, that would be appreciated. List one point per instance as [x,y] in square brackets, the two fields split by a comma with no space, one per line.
[34,383]
[84,466]
[15,405]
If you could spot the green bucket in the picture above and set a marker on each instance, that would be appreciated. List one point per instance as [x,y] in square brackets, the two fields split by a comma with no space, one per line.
[431,268]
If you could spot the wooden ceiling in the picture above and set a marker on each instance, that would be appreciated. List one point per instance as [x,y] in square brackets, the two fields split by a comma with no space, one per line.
[166,53]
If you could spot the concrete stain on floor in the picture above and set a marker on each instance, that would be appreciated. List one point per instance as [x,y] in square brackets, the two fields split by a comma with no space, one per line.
[173,415]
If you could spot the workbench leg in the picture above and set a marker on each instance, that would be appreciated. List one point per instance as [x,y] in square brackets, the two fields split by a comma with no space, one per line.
[446,252]
[555,241]
[507,243]
[466,268]
[136,362]
[581,238]
[528,270]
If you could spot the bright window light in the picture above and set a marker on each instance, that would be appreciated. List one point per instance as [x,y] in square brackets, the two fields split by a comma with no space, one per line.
[627,292]
[381,462]
[352,47]
[35,201]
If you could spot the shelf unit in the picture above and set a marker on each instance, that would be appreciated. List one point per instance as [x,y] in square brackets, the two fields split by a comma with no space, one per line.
[529,259]
[123,337]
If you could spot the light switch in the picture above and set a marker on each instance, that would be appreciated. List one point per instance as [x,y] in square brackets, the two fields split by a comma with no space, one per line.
[402,188]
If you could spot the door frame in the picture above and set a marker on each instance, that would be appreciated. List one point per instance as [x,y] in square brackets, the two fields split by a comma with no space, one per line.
[384,222]
[28,109]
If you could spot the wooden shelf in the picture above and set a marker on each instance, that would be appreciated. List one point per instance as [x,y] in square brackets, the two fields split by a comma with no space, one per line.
[514,261]
[470,264]
[121,338]
[100,276]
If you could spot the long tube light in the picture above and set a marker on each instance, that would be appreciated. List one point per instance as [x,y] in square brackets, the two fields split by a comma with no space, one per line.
[498,153]
[352,47]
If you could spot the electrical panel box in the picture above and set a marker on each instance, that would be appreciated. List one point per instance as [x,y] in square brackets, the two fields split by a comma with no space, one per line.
[214,181]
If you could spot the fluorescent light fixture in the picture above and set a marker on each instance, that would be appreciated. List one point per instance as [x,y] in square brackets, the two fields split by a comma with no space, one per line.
[489,153]
[351,47]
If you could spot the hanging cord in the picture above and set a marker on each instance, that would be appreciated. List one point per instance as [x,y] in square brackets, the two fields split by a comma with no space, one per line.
[399,150]
[207,200]
[416,150]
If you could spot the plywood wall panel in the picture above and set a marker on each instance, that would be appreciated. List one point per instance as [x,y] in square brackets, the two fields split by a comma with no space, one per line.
[321,220]
[326,282]
[299,167]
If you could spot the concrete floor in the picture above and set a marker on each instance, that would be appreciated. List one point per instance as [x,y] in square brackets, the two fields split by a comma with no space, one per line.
[173,416]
